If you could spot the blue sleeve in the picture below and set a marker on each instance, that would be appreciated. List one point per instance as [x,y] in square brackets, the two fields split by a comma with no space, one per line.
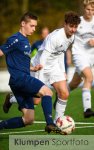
[36,45]
[10,45]
[33,47]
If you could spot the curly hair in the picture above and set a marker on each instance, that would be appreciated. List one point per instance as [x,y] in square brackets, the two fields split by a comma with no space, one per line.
[72,18]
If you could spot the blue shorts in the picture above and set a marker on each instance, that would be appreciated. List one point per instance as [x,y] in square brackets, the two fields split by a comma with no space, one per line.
[25,89]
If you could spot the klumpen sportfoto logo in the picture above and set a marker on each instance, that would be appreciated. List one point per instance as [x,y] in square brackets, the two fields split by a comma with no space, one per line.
[50,141]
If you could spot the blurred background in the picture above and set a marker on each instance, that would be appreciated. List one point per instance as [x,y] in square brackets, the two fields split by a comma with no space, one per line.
[50,13]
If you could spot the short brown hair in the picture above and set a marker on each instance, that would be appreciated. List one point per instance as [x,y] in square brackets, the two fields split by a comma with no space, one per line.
[72,18]
[27,16]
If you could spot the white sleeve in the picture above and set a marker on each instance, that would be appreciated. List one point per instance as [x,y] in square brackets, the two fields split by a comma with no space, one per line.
[61,62]
[43,61]
[50,43]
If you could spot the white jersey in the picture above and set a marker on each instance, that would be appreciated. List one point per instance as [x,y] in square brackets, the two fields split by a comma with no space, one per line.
[56,42]
[54,47]
[51,56]
[85,32]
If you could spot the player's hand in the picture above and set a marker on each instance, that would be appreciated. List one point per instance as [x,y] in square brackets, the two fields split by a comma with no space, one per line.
[1,53]
[91,42]
[36,68]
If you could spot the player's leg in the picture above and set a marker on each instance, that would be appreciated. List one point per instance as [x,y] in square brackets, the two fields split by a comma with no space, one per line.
[76,80]
[28,116]
[46,102]
[37,88]
[83,69]
[86,92]
[10,99]
[31,87]
[36,101]
[27,107]
[74,83]
[63,93]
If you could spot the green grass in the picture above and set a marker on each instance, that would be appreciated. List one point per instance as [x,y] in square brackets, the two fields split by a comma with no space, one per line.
[74,109]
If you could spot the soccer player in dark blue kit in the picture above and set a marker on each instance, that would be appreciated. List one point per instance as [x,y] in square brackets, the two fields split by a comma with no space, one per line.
[17,51]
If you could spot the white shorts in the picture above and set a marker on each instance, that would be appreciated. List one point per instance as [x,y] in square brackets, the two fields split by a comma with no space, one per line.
[53,68]
[51,76]
[36,75]
[81,61]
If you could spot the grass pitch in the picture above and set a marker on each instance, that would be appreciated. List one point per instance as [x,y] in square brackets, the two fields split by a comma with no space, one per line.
[74,109]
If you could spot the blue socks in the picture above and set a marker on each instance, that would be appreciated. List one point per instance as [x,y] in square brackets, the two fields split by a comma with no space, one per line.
[47,109]
[17,122]
[12,123]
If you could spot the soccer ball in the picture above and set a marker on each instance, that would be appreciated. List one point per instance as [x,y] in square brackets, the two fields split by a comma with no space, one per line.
[66,124]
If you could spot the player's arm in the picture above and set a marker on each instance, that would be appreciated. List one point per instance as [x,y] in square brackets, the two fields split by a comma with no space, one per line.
[1,53]
[69,55]
[36,68]
[8,46]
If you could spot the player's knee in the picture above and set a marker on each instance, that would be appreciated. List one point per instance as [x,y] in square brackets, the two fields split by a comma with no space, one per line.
[64,95]
[48,92]
[28,121]
[89,80]
[36,101]
[45,91]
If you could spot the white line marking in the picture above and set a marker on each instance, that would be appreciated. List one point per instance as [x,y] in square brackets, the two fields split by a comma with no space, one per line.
[8,133]
[43,122]
[84,122]
[40,122]
[86,127]
[21,132]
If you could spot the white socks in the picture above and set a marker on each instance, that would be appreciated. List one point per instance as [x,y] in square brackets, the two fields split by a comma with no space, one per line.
[60,108]
[86,98]
[12,99]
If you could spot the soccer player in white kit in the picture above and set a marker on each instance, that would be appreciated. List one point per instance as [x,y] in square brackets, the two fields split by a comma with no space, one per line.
[52,59]
[83,56]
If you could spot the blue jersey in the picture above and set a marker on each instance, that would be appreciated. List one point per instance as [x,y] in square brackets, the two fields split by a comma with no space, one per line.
[36,45]
[17,50]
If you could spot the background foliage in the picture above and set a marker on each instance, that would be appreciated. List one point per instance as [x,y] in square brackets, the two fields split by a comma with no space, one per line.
[50,13]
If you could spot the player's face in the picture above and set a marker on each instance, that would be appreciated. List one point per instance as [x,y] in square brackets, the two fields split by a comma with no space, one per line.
[29,27]
[70,29]
[44,33]
[88,11]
